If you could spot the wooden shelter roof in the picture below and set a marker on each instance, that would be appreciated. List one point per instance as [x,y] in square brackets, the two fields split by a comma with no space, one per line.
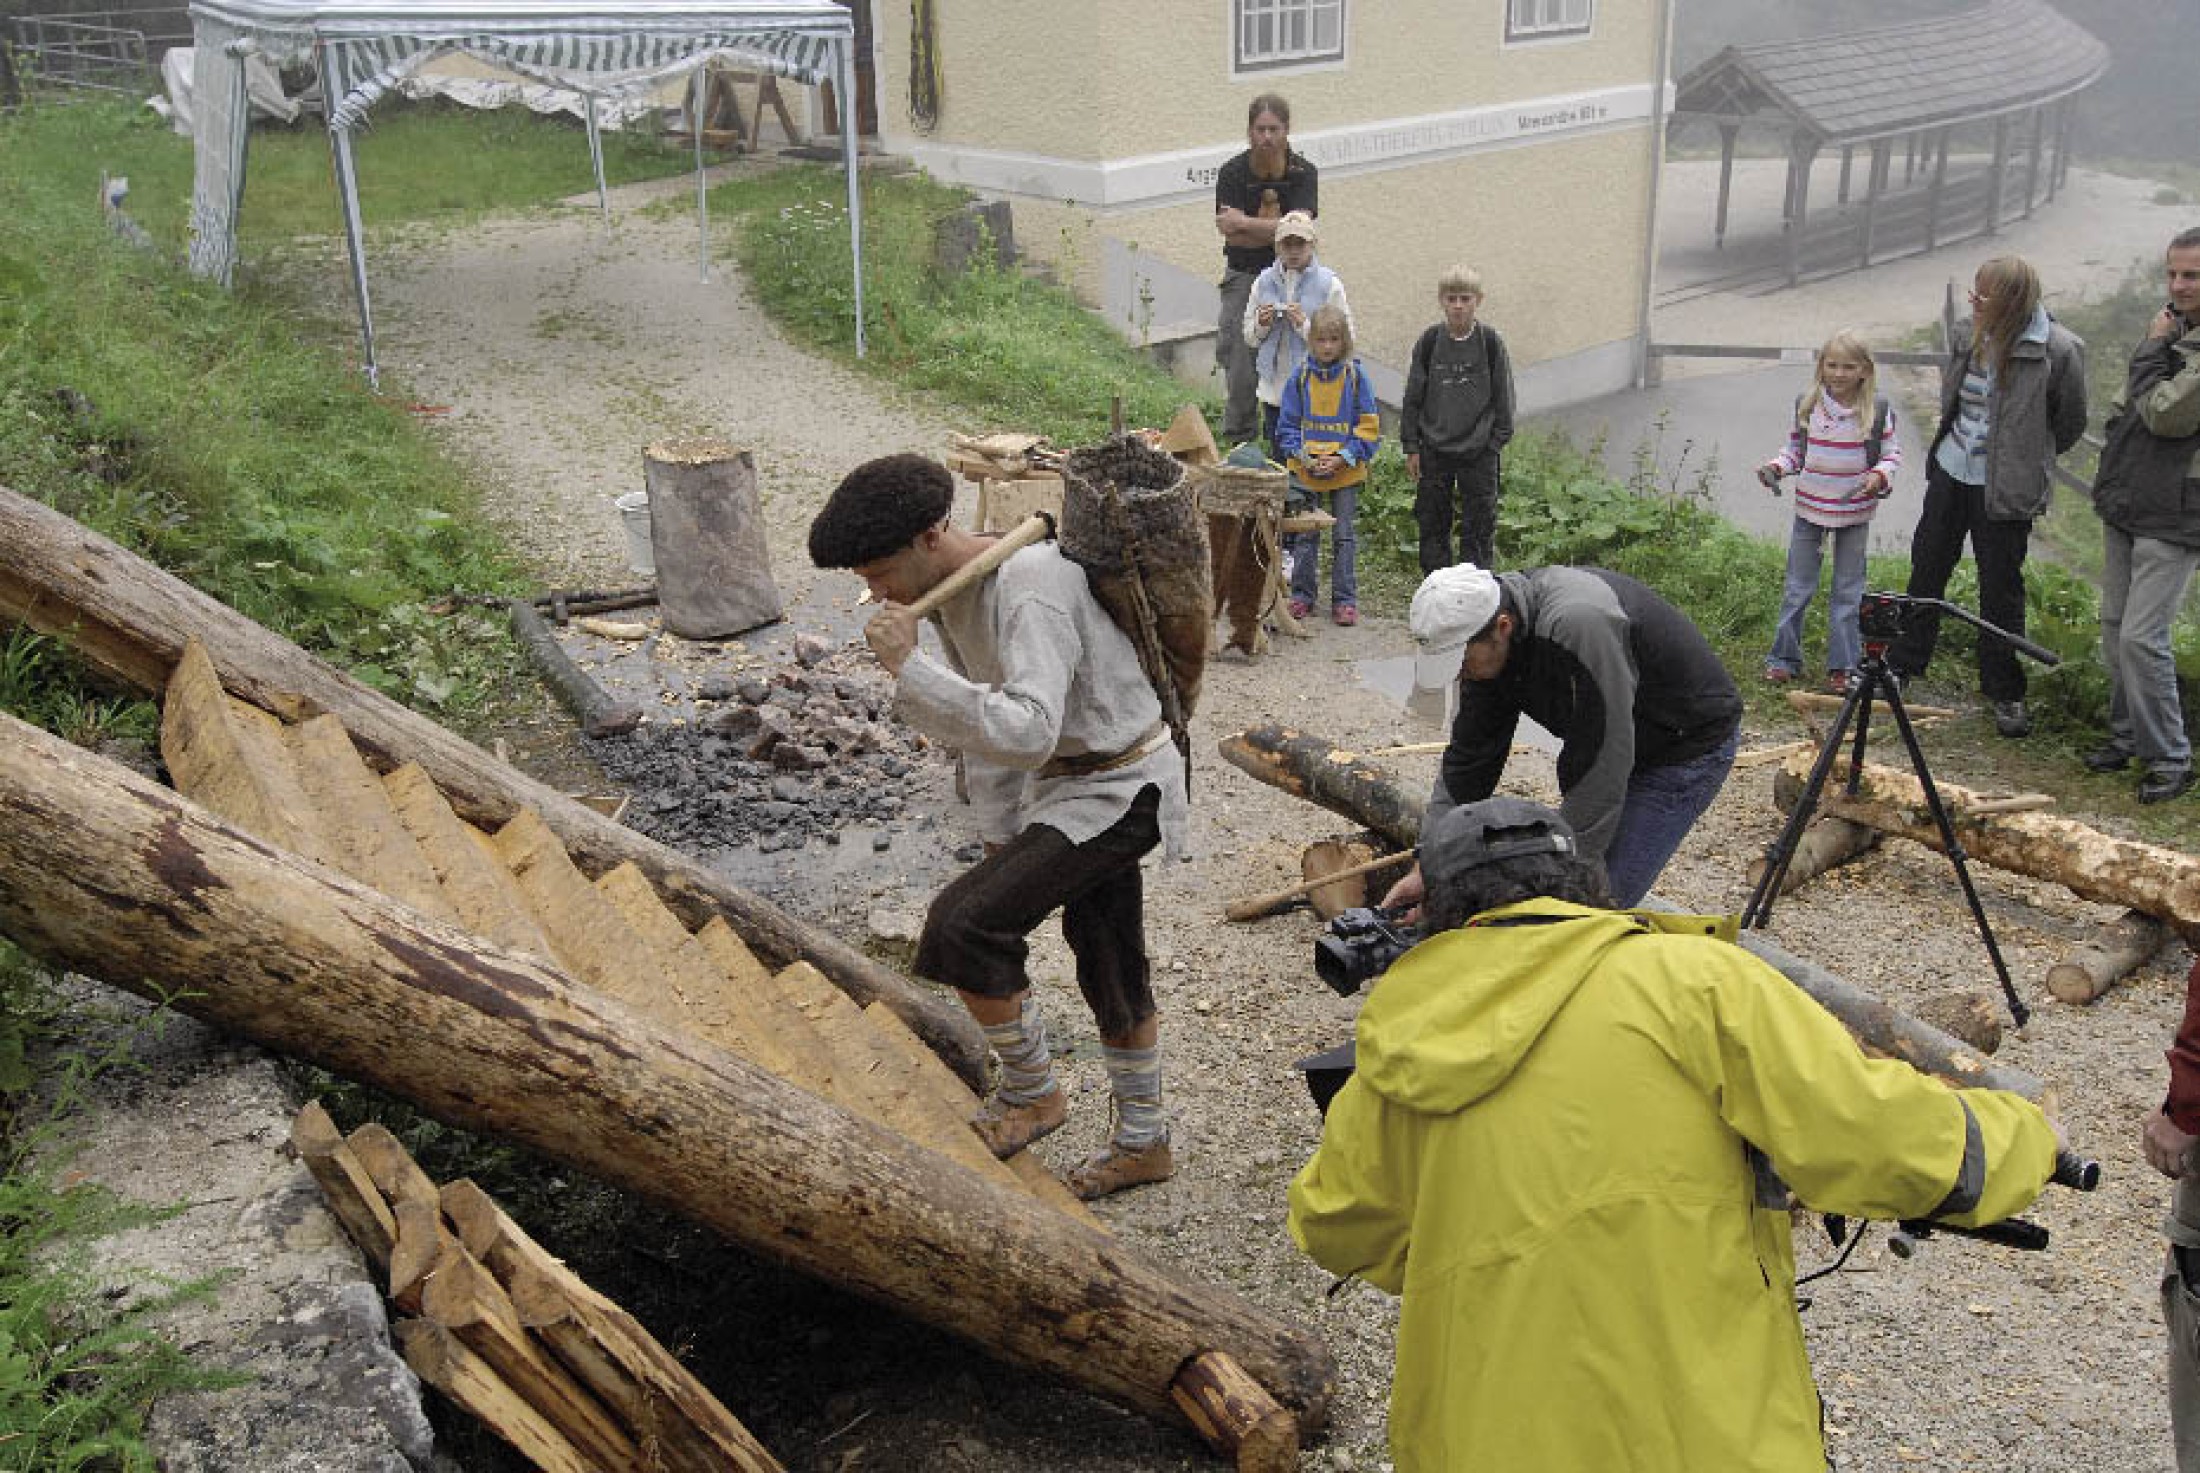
[1859,85]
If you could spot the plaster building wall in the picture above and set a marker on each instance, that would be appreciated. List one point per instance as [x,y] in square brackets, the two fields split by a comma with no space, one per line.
[1437,142]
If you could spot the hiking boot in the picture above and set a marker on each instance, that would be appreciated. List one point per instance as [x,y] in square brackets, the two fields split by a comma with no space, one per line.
[2160,787]
[2011,719]
[1007,1128]
[2108,757]
[1115,1166]
[1345,614]
[1778,674]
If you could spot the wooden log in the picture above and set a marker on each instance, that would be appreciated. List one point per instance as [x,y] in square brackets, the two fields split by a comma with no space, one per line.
[600,713]
[2118,949]
[1975,1017]
[626,1368]
[306,962]
[1311,768]
[1308,767]
[1326,860]
[438,1358]
[1809,702]
[465,1298]
[232,759]
[351,1193]
[1237,1417]
[480,889]
[2159,881]
[421,1237]
[129,622]
[707,532]
[1826,844]
[390,1166]
[356,822]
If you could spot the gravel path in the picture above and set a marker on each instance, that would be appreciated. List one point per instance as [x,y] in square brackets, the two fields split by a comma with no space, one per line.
[562,347]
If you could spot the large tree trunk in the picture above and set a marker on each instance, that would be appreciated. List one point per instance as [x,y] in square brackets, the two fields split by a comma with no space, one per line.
[108,874]
[129,621]
[2161,882]
[1365,792]
[706,533]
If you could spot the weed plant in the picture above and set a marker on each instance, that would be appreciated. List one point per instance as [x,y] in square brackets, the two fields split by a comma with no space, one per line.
[79,1367]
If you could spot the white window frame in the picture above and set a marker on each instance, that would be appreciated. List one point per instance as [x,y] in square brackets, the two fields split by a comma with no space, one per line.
[1309,16]
[1548,20]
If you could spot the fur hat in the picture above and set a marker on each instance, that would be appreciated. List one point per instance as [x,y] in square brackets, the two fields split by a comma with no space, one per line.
[879,508]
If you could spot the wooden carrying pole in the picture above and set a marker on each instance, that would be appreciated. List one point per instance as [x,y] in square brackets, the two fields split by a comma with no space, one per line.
[1311,768]
[129,621]
[105,873]
[1031,529]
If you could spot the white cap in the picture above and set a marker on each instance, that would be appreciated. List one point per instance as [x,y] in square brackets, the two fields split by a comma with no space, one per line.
[1451,607]
[1296,225]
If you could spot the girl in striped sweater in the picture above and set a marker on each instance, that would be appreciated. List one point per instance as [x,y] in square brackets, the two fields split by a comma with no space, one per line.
[1842,452]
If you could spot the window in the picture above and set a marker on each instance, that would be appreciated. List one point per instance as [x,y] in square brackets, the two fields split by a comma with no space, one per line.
[1529,19]
[1277,33]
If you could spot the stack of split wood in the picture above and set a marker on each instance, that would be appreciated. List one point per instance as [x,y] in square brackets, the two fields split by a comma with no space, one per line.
[2159,888]
[506,1331]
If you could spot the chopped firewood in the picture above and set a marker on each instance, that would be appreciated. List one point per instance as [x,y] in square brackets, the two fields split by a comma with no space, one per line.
[2118,949]
[611,628]
[351,1192]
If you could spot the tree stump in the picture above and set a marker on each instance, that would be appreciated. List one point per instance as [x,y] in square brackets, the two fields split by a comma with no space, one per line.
[706,531]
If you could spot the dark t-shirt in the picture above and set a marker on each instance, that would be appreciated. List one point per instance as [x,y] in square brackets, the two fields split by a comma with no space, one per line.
[1264,199]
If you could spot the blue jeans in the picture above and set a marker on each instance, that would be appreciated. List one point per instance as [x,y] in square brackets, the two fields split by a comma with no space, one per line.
[1806,549]
[1344,545]
[2143,582]
[1663,804]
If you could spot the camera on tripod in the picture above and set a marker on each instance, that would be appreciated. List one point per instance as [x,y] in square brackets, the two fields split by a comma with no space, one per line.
[1359,945]
[1883,616]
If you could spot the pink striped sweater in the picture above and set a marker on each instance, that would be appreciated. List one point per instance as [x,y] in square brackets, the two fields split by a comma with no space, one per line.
[1827,460]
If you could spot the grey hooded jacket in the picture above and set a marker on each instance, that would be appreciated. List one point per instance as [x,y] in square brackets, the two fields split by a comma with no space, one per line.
[2037,412]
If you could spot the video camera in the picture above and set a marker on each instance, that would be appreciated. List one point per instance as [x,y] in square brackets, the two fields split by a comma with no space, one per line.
[1359,945]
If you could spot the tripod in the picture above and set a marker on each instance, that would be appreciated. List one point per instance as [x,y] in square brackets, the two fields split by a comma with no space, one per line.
[1882,618]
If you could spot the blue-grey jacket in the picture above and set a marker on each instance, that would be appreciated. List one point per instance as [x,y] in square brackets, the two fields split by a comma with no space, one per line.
[2037,412]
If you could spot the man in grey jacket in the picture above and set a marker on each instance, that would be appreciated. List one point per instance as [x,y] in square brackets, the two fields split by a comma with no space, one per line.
[2148,494]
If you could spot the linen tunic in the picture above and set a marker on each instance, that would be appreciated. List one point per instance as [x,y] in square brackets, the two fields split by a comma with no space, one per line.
[1034,669]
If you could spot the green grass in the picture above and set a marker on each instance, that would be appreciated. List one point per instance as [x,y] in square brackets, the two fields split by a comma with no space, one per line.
[1008,351]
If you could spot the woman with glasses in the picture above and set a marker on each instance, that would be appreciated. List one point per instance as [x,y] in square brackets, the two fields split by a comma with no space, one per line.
[2012,398]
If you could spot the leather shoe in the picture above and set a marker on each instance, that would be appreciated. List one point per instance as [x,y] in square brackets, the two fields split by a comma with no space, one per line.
[1116,1166]
[2108,757]
[1007,1128]
[2011,719]
[2160,787]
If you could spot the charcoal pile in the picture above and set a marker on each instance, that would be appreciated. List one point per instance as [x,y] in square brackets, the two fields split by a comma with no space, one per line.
[777,760]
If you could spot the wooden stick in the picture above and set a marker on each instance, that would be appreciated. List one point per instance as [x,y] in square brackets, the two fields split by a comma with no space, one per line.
[2014,803]
[1410,749]
[1258,906]
[1813,700]
[1031,529]
[1761,755]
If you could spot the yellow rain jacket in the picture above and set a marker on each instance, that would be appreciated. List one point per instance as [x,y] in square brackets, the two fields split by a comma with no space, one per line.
[1543,1151]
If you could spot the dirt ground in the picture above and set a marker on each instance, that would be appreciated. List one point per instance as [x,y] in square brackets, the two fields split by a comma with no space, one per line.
[561,345]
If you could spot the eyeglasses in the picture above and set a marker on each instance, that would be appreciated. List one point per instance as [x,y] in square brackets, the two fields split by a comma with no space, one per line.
[1976,299]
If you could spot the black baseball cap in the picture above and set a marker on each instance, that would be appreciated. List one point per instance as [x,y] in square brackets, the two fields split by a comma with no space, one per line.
[1475,834]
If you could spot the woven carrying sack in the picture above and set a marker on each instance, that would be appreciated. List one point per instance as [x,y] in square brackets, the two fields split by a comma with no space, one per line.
[1128,518]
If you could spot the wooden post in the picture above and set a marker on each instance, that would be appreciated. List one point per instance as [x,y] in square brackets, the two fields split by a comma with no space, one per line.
[1875,180]
[1998,179]
[1799,227]
[1934,190]
[1727,132]
[2118,949]
[2032,158]
[706,531]
[301,960]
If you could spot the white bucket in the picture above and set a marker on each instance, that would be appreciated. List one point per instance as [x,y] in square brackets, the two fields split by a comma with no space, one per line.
[634,516]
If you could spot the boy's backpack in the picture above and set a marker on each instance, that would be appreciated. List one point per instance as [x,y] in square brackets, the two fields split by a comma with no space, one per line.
[1424,351]
[1875,438]
[1130,520]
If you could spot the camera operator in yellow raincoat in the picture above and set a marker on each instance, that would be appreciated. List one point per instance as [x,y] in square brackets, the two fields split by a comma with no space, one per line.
[1547,1151]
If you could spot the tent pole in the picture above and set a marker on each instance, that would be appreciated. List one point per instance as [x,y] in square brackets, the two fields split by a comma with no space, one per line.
[850,114]
[336,88]
[595,157]
[702,195]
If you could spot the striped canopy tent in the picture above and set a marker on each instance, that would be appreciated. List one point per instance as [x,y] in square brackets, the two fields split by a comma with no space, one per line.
[601,50]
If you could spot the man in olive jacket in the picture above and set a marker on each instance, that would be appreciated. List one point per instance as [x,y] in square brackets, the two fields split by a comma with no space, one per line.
[1546,1153]
[2148,494]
